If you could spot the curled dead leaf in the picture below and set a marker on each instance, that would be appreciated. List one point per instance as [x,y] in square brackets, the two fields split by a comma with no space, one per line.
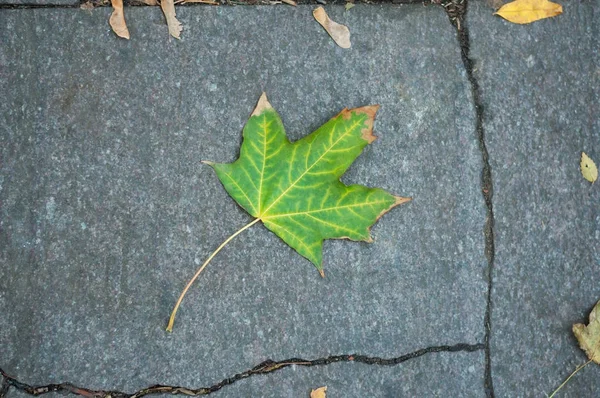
[339,33]
[589,336]
[319,392]
[589,341]
[168,8]
[117,20]
[527,11]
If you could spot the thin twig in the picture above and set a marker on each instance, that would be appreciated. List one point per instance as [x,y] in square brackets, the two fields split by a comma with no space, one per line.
[568,378]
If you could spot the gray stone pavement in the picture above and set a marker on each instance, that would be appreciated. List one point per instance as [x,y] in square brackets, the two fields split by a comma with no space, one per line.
[106,212]
[541,92]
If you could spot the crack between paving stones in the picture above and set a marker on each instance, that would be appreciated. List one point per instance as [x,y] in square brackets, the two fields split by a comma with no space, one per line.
[457,11]
[263,368]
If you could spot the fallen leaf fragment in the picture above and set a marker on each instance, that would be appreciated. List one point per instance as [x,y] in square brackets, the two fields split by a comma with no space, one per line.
[589,341]
[117,19]
[588,168]
[348,6]
[290,2]
[527,11]
[319,393]
[589,336]
[168,9]
[339,33]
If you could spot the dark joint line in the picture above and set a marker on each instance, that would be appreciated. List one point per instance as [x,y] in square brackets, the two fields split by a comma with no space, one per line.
[263,368]
[457,12]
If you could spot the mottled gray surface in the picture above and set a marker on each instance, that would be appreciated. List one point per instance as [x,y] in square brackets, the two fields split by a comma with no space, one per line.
[41,2]
[541,90]
[106,211]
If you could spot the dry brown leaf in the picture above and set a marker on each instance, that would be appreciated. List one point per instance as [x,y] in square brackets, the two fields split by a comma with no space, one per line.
[319,392]
[589,336]
[117,19]
[339,33]
[589,341]
[527,11]
[168,8]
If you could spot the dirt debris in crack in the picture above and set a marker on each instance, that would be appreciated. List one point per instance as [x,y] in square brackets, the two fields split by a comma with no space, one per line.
[4,388]
[457,11]
[265,367]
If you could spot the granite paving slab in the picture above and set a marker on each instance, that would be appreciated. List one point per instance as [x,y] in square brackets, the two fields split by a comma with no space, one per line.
[106,210]
[540,84]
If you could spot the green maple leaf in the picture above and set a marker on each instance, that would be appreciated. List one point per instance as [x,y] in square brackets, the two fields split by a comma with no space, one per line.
[295,188]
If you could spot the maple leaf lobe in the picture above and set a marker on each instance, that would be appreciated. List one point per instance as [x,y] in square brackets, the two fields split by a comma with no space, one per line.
[589,336]
[294,188]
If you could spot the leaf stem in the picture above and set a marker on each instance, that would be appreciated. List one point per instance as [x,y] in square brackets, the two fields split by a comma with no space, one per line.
[569,378]
[187,287]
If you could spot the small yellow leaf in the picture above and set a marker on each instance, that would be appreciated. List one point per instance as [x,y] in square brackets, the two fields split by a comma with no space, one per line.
[588,168]
[339,33]
[348,6]
[319,392]
[117,19]
[589,336]
[527,11]
[168,9]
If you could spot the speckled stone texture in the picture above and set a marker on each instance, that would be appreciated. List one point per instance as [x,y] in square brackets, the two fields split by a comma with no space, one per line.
[41,2]
[106,210]
[541,92]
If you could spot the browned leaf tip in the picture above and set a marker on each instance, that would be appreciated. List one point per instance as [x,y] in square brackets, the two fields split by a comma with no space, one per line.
[367,131]
[399,200]
[262,105]
[370,111]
